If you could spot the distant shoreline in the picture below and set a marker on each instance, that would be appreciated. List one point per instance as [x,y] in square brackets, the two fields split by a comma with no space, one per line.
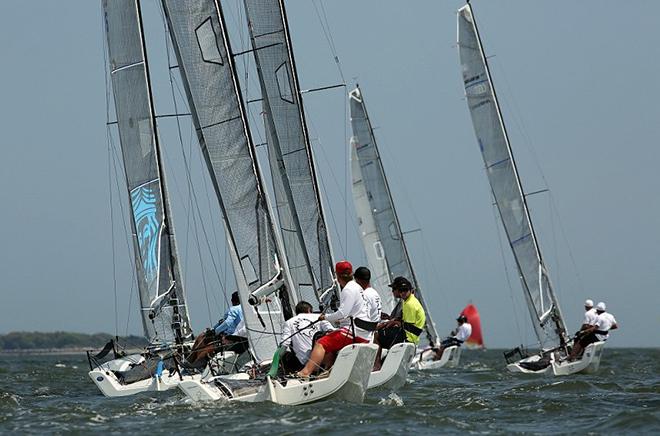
[56,351]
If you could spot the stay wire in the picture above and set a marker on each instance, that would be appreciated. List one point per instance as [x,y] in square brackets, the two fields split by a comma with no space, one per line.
[516,115]
[108,133]
[506,273]
[191,189]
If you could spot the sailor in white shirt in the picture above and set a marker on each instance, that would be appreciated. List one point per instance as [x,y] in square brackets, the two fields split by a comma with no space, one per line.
[458,336]
[589,315]
[597,332]
[363,277]
[352,305]
[604,323]
[298,335]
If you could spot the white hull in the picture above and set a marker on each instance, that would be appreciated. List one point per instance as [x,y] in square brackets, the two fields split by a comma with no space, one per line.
[107,381]
[424,359]
[348,380]
[588,364]
[392,374]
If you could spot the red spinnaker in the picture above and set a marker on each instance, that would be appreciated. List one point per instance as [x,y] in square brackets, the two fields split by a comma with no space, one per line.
[475,340]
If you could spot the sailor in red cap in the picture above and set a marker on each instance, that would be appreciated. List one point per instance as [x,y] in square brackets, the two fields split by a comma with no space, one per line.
[352,304]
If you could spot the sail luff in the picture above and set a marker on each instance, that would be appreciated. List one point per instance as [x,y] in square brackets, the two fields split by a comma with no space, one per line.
[163,309]
[298,198]
[201,43]
[502,171]
[380,183]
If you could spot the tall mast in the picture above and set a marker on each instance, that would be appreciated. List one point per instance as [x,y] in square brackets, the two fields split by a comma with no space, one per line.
[480,94]
[163,310]
[394,245]
[167,228]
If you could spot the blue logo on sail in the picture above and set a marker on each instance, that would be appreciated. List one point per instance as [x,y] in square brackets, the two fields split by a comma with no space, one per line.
[144,200]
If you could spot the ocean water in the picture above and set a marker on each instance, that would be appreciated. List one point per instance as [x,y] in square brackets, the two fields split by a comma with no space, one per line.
[52,394]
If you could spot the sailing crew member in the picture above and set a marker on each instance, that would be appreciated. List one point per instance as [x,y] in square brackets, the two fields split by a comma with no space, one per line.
[406,328]
[352,311]
[598,332]
[298,334]
[222,336]
[590,315]
[459,335]
[363,277]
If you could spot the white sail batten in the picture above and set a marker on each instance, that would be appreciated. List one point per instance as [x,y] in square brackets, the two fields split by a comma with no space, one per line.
[162,299]
[370,173]
[505,183]
[206,63]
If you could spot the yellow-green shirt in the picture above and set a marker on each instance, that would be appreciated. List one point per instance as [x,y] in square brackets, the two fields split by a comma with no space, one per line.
[413,313]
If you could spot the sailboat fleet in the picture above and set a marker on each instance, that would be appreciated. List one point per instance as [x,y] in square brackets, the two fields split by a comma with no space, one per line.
[280,249]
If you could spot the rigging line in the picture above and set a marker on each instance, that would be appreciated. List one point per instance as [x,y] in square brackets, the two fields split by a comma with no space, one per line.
[112,241]
[174,84]
[130,252]
[329,165]
[506,273]
[347,157]
[201,265]
[108,133]
[518,120]
[193,200]
[325,26]
[557,274]
[332,216]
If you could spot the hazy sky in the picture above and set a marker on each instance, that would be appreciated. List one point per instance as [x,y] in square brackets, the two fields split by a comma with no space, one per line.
[579,89]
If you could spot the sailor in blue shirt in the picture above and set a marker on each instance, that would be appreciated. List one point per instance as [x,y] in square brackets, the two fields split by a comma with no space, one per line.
[227,335]
[233,318]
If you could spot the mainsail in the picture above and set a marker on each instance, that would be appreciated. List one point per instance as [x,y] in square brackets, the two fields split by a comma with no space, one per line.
[505,183]
[206,63]
[299,208]
[371,174]
[164,312]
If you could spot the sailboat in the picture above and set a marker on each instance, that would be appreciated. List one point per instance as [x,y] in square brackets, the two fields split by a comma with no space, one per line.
[163,305]
[511,202]
[266,288]
[476,339]
[380,230]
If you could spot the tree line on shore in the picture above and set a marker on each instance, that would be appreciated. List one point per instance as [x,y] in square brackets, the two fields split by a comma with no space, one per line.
[63,340]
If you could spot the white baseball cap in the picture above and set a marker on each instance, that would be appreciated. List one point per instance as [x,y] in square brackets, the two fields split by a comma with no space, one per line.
[589,303]
[601,306]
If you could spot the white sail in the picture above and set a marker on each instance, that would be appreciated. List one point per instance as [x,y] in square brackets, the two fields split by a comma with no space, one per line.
[381,205]
[505,184]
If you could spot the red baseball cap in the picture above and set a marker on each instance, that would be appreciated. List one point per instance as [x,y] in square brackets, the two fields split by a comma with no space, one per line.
[343,268]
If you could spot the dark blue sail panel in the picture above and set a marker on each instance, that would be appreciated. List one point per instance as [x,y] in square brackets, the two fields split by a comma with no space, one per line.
[163,310]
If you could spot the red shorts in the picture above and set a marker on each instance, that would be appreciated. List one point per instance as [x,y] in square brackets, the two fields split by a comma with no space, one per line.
[335,341]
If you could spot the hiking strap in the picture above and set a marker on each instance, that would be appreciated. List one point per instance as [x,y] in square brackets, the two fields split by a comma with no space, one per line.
[412,328]
[365,325]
